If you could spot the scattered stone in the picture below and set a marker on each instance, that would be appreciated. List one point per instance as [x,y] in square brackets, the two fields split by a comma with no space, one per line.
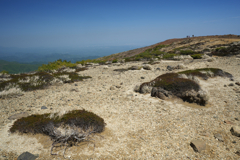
[231,79]
[234,142]
[235,130]
[147,67]
[225,85]
[118,86]
[180,66]
[74,90]
[76,84]
[112,88]
[231,84]
[44,107]
[219,137]
[137,88]
[198,145]
[237,83]
[237,153]
[27,156]
[142,77]
[79,66]
[134,68]
[105,67]
[228,122]
[158,69]
[18,115]
[145,89]
[170,68]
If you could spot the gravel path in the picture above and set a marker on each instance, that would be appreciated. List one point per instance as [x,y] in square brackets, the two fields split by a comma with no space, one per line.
[138,126]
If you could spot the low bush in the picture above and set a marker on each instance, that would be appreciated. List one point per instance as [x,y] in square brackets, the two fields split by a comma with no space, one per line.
[187,52]
[168,55]
[56,65]
[196,56]
[205,73]
[69,129]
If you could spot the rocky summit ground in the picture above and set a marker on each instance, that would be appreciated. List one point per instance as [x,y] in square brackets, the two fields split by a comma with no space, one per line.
[138,126]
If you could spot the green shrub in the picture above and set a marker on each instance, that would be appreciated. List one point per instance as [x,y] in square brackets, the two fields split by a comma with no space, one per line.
[221,48]
[56,65]
[187,52]
[168,55]
[196,56]
[114,61]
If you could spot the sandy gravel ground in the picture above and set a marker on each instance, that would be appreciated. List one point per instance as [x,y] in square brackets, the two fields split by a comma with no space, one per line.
[138,126]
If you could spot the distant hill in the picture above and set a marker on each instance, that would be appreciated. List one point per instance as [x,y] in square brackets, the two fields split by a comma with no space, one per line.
[169,42]
[15,67]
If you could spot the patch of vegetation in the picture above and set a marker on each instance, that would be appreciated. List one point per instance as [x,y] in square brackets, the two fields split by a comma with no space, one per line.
[56,65]
[39,80]
[226,51]
[169,55]
[205,73]
[147,54]
[69,129]
[187,52]
[83,62]
[114,61]
[196,56]
[221,48]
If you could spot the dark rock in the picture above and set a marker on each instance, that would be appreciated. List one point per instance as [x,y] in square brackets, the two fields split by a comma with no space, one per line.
[235,130]
[237,153]
[237,83]
[231,84]
[27,156]
[118,86]
[198,145]
[142,77]
[225,85]
[158,69]
[76,84]
[160,93]
[44,107]
[18,115]
[231,79]
[170,68]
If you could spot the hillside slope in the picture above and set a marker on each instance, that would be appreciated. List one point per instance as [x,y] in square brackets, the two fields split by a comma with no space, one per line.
[196,43]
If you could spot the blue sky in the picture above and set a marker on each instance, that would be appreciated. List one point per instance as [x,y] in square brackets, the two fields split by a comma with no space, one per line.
[88,23]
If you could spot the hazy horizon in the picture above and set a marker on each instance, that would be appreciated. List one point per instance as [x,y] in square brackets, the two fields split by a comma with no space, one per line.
[106,27]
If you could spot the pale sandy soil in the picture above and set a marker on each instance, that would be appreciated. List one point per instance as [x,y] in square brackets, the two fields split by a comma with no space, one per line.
[138,126]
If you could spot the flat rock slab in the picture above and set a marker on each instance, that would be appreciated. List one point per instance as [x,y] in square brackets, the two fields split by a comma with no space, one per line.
[235,130]
[27,156]
[198,145]
[18,115]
